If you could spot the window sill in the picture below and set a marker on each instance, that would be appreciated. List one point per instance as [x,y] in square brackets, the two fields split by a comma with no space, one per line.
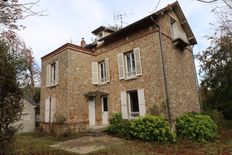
[103,83]
[131,77]
[52,86]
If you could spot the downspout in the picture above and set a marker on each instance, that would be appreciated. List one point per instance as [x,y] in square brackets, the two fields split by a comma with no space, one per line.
[196,82]
[164,74]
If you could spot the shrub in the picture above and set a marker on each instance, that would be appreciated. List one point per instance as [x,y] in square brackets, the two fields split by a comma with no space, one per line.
[151,128]
[196,127]
[118,125]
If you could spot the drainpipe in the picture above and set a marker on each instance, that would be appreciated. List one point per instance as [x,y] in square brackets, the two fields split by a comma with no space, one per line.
[164,74]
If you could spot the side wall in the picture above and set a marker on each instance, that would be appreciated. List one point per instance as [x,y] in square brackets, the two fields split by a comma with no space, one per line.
[59,92]
[179,65]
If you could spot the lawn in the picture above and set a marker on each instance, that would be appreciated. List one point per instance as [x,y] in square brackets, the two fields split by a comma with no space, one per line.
[38,144]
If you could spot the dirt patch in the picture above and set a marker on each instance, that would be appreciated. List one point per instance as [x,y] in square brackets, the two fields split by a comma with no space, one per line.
[87,144]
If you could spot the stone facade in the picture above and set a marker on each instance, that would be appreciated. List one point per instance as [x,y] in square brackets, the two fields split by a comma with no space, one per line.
[75,76]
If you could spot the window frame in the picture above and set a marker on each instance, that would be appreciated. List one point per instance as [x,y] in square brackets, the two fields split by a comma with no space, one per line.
[132,114]
[102,72]
[130,63]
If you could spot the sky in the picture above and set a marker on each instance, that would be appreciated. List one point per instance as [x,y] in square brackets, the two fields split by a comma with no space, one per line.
[69,21]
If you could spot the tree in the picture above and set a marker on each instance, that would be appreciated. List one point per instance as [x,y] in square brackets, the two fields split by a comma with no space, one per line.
[11,68]
[216,67]
[32,77]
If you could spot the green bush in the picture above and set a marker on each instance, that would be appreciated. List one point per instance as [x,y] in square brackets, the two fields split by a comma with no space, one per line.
[118,125]
[196,127]
[151,128]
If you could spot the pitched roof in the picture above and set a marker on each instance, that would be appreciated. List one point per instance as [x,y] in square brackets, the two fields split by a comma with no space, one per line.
[147,21]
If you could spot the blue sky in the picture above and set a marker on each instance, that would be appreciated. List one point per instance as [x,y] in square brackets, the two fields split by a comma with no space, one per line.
[69,21]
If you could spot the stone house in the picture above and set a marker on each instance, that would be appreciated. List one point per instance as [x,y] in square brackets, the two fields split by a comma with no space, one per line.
[28,115]
[146,67]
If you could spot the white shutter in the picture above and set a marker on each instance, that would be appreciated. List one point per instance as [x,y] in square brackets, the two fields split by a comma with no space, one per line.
[53,109]
[124,105]
[47,110]
[107,70]
[48,74]
[142,107]
[94,72]
[138,66]
[57,73]
[121,69]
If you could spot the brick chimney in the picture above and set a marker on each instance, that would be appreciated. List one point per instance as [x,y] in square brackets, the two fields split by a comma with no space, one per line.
[83,43]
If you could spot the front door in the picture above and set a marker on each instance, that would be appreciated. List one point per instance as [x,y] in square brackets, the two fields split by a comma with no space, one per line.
[104,101]
[91,103]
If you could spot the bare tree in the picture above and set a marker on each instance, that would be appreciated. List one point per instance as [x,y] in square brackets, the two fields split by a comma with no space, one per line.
[228,3]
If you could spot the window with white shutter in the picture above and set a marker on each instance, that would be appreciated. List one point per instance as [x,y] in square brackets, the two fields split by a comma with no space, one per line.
[50,109]
[142,107]
[48,73]
[107,70]
[47,110]
[136,103]
[56,73]
[121,69]
[94,72]
[52,74]
[53,109]
[138,67]
[129,64]
[124,105]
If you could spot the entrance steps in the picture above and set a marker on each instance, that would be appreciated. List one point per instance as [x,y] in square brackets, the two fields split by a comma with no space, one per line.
[96,130]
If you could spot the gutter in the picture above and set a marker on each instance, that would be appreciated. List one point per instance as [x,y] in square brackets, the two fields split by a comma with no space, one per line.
[164,74]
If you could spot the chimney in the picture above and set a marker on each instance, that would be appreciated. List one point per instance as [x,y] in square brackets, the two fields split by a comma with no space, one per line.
[83,43]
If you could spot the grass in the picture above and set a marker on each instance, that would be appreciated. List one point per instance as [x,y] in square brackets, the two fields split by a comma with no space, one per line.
[36,144]
[40,144]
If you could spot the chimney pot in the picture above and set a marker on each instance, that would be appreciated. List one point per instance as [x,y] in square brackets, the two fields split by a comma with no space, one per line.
[83,43]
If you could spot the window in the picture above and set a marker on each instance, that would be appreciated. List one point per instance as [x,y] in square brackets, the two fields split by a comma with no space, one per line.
[132,103]
[129,64]
[52,74]
[105,103]
[100,72]
[50,109]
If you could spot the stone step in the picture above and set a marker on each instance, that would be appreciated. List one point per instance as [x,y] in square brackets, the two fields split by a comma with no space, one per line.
[96,130]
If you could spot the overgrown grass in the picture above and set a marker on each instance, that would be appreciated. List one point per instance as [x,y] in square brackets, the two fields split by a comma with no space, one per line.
[40,144]
[35,144]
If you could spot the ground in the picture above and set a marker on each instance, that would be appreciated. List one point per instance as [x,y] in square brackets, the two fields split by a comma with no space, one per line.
[105,144]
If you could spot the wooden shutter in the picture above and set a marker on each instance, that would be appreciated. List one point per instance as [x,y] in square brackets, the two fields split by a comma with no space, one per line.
[124,105]
[48,75]
[142,107]
[94,72]
[138,66]
[107,70]
[47,110]
[121,68]
[53,109]
[57,73]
